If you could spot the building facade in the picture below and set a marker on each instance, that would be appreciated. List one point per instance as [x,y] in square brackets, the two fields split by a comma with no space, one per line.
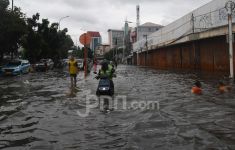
[116,38]
[146,29]
[96,39]
[196,41]
[101,50]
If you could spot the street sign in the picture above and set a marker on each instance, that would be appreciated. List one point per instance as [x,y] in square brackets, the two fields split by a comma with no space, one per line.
[85,39]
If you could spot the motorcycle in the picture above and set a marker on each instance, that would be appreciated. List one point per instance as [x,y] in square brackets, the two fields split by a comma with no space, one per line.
[105,90]
[105,87]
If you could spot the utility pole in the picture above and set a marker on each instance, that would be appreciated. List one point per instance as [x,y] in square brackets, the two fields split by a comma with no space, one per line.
[12,5]
[113,52]
[85,39]
[192,21]
[137,63]
[146,44]
[116,49]
[230,5]
[193,43]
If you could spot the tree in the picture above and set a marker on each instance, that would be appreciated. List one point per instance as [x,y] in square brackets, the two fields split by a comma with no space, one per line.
[89,53]
[32,41]
[38,39]
[12,28]
[45,41]
[109,55]
[4,4]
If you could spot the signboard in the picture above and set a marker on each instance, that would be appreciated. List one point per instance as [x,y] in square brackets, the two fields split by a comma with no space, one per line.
[85,39]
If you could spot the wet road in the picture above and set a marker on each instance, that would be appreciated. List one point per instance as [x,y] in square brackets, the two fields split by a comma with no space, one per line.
[37,113]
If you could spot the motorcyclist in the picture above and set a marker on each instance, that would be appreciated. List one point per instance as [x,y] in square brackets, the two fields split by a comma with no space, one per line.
[107,71]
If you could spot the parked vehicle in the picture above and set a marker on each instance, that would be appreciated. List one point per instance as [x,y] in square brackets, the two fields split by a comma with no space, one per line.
[66,61]
[89,65]
[80,64]
[0,70]
[16,67]
[44,65]
[59,64]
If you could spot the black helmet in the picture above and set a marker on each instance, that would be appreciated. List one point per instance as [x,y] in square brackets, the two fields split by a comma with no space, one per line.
[104,65]
[198,84]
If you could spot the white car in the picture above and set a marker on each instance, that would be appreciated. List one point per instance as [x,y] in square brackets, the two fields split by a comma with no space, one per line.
[80,63]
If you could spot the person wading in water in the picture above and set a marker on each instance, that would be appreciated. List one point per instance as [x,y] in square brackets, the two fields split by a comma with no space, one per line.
[73,71]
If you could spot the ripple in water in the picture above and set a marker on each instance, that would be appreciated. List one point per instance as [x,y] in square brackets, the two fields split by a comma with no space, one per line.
[40,114]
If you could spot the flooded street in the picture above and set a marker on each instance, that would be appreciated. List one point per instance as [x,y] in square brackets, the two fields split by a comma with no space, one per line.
[37,113]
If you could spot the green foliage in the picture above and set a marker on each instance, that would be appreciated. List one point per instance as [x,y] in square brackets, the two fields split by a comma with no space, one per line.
[109,55]
[45,41]
[89,53]
[77,52]
[4,4]
[38,39]
[12,28]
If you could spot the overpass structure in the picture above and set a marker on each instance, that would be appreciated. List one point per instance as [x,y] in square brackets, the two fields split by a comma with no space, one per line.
[196,41]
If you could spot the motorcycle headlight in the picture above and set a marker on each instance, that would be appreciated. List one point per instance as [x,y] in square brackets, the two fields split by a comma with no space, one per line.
[104,88]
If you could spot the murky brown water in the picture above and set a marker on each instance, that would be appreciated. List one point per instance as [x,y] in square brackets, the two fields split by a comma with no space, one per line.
[36,113]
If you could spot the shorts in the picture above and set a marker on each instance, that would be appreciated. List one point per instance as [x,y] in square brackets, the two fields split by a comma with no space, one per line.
[73,75]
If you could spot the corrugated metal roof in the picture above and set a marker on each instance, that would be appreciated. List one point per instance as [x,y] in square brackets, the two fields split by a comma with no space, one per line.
[150,24]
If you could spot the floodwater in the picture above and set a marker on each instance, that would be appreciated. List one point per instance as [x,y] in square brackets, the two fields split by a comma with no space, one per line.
[37,112]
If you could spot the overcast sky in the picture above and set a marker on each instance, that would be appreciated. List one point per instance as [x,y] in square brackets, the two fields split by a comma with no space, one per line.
[101,15]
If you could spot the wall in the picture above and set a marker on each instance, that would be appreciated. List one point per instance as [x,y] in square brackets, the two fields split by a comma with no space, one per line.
[115,35]
[210,54]
[146,30]
[209,16]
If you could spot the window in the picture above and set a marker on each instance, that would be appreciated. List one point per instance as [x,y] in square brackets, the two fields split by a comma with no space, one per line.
[23,64]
